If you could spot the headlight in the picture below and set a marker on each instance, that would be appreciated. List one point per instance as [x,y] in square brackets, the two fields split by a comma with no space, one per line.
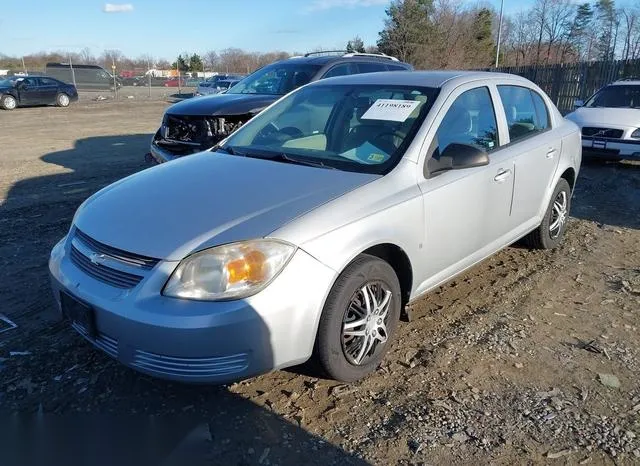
[232,271]
[636,134]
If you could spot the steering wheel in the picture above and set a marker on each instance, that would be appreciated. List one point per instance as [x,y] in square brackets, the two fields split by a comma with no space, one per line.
[272,134]
[385,141]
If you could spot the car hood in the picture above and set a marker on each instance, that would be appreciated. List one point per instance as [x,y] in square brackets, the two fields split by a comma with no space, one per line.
[223,104]
[605,117]
[207,199]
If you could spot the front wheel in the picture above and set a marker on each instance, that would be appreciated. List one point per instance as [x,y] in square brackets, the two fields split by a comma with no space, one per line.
[549,234]
[8,102]
[359,319]
[62,100]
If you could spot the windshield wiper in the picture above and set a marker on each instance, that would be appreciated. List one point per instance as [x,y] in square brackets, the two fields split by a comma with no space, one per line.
[283,157]
[228,149]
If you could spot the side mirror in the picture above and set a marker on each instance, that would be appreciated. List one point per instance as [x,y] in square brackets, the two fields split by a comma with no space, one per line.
[458,156]
[578,103]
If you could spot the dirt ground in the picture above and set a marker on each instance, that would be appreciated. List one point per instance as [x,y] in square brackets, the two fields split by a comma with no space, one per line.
[530,357]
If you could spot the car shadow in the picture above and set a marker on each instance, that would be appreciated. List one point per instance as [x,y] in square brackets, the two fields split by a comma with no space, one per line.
[592,199]
[89,408]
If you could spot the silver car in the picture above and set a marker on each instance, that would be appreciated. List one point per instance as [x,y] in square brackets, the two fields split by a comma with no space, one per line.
[306,231]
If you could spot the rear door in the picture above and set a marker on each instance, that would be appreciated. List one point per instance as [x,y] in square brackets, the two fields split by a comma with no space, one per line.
[538,146]
[48,90]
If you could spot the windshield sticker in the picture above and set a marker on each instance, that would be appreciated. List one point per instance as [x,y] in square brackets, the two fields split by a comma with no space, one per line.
[367,154]
[391,110]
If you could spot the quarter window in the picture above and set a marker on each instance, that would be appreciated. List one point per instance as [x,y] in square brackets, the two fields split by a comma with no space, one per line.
[524,116]
[371,67]
[396,68]
[470,120]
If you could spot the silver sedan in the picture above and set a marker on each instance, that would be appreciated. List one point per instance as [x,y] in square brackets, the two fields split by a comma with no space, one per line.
[306,232]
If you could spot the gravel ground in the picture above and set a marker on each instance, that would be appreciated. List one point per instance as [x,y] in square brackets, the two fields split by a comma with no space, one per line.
[530,357]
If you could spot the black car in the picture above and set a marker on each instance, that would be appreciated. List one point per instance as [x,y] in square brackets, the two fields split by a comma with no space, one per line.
[35,90]
[198,124]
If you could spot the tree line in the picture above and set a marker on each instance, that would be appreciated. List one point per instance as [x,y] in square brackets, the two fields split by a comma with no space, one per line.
[431,34]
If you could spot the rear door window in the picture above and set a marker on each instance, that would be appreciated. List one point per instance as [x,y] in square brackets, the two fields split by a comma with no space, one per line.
[397,68]
[522,113]
[48,82]
[340,70]
[541,111]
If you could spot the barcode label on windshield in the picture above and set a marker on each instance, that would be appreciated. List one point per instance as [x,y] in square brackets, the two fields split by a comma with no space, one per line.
[390,110]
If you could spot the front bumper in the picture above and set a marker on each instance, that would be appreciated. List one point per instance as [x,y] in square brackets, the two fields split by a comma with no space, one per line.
[608,148]
[195,341]
[162,154]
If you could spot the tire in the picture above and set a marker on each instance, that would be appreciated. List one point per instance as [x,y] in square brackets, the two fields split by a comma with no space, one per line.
[8,102]
[546,237]
[62,100]
[338,354]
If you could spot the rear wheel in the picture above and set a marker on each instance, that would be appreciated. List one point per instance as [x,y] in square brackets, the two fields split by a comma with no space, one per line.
[62,100]
[549,234]
[8,102]
[359,319]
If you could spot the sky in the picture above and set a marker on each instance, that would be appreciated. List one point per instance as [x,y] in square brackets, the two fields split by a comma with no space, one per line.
[164,28]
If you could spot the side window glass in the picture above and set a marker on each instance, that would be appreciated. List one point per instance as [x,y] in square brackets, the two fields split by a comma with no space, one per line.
[470,120]
[339,70]
[396,68]
[371,67]
[520,110]
[541,111]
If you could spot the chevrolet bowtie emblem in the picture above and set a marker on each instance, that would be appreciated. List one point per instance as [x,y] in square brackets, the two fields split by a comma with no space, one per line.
[97,259]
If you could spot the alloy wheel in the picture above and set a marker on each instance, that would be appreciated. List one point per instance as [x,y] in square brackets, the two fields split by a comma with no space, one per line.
[63,100]
[558,214]
[9,103]
[364,326]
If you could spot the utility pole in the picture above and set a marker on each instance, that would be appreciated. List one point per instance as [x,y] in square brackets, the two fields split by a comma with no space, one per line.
[24,66]
[499,32]
[73,73]
[113,71]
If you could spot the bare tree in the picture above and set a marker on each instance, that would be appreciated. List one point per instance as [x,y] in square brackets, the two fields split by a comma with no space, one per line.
[631,31]
[540,16]
[211,60]
[557,25]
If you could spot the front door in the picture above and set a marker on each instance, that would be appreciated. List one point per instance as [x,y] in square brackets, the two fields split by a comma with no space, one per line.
[29,91]
[466,210]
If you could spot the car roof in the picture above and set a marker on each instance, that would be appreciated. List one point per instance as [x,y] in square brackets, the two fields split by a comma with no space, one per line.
[422,78]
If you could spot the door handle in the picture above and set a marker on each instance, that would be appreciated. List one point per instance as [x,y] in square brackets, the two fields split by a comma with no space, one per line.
[551,153]
[502,175]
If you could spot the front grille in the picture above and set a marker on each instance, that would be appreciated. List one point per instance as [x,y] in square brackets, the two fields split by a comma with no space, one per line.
[123,256]
[113,277]
[611,133]
[190,367]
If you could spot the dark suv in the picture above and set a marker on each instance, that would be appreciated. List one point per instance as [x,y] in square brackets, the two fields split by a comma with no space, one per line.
[198,124]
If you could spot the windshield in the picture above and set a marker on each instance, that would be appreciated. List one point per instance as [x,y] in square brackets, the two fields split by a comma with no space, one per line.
[618,96]
[363,128]
[276,79]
